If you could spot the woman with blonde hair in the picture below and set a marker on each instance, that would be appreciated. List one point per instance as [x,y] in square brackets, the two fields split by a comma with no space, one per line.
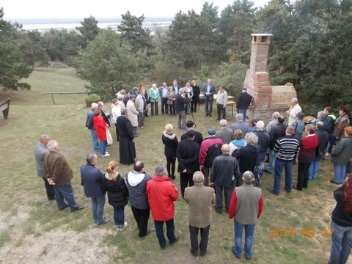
[170,142]
[115,186]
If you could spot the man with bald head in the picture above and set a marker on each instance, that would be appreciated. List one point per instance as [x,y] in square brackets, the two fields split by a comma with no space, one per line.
[40,151]
[225,175]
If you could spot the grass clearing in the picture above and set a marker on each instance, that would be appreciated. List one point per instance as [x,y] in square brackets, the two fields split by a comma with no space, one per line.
[294,228]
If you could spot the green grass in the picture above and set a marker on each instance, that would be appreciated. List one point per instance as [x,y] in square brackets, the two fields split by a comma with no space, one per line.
[32,114]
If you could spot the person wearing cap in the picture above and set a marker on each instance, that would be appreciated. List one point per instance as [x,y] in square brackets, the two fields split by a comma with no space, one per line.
[246,206]
[162,194]
[263,146]
[225,175]
[286,149]
[244,100]
[209,149]
[224,132]
[200,200]
[170,142]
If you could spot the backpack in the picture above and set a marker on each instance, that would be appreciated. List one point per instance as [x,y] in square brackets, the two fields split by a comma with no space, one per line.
[213,152]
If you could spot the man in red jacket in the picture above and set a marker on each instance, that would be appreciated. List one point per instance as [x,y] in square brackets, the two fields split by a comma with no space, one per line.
[162,193]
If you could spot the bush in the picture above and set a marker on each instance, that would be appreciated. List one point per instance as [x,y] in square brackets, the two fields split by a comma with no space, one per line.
[92,98]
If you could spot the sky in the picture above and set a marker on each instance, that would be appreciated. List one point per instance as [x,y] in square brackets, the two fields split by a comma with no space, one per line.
[17,9]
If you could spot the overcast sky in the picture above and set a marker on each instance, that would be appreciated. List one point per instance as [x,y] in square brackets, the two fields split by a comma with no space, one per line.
[15,9]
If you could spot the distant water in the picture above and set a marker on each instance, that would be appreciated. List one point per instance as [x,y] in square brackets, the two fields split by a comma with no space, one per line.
[46,25]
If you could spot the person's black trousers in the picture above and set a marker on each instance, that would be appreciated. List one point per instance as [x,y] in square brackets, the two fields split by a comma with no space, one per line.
[164,108]
[221,111]
[303,175]
[186,179]
[171,109]
[50,191]
[170,165]
[194,104]
[170,232]
[208,105]
[117,133]
[154,108]
[204,235]
[220,192]
[141,216]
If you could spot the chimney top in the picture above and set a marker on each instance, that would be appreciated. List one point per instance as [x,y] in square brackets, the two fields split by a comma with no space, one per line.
[262,35]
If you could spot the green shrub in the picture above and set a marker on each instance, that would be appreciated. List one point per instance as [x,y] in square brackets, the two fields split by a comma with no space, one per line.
[92,98]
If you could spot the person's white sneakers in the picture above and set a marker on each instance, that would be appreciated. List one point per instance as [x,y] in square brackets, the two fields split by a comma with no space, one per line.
[122,228]
[106,154]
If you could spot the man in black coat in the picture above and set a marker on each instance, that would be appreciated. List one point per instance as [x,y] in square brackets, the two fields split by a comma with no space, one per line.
[195,98]
[180,109]
[91,180]
[127,147]
[190,127]
[225,175]
[323,137]
[243,102]
[187,156]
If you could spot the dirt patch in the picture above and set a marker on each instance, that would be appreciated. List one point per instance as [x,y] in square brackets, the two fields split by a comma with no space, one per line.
[59,247]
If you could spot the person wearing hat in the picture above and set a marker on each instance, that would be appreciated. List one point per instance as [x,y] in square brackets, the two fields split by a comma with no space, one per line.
[200,200]
[263,146]
[210,148]
[246,206]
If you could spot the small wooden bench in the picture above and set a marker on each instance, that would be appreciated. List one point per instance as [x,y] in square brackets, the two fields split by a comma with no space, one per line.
[5,108]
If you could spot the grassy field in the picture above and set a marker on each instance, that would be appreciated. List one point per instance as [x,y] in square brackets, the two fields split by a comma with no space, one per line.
[294,228]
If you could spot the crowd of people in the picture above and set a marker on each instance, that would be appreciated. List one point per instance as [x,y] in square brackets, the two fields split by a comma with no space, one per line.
[223,170]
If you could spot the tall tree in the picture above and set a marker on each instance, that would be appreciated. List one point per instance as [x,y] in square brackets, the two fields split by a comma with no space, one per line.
[88,29]
[133,32]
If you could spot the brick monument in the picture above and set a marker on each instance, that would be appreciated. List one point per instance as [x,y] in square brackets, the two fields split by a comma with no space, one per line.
[267,98]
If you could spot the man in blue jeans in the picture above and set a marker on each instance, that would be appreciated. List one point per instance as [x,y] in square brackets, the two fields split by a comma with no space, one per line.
[59,174]
[286,149]
[90,126]
[246,206]
[91,179]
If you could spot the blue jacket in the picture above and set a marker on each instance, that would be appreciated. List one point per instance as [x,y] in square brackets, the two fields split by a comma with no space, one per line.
[91,179]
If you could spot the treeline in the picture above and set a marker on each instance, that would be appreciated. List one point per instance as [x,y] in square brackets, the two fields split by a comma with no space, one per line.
[311,49]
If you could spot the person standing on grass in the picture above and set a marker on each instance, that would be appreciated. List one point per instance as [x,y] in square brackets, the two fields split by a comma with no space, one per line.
[277,131]
[180,108]
[200,200]
[115,186]
[162,194]
[221,101]
[246,206]
[286,149]
[91,180]
[103,114]
[244,101]
[132,114]
[209,91]
[307,153]
[195,98]
[39,154]
[170,142]
[299,126]
[224,132]
[225,175]
[342,121]
[154,96]
[127,148]
[187,156]
[100,127]
[323,138]
[140,105]
[191,128]
[136,183]
[163,95]
[263,146]
[90,125]
[341,155]
[341,224]
[59,174]
[329,126]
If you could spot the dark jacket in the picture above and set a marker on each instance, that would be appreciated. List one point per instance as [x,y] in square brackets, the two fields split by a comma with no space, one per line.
[342,152]
[212,90]
[323,136]
[263,144]
[247,158]
[187,155]
[89,119]
[225,171]
[170,142]
[329,124]
[196,92]
[225,133]
[116,189]
[136,183]
[180,104]
[57,169]
[91,180]
[276,132]
[244,100]
[338,215]
[198,137]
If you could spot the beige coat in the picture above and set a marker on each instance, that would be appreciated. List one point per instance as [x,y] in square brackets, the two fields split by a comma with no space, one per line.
[200,199]
[132,113]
